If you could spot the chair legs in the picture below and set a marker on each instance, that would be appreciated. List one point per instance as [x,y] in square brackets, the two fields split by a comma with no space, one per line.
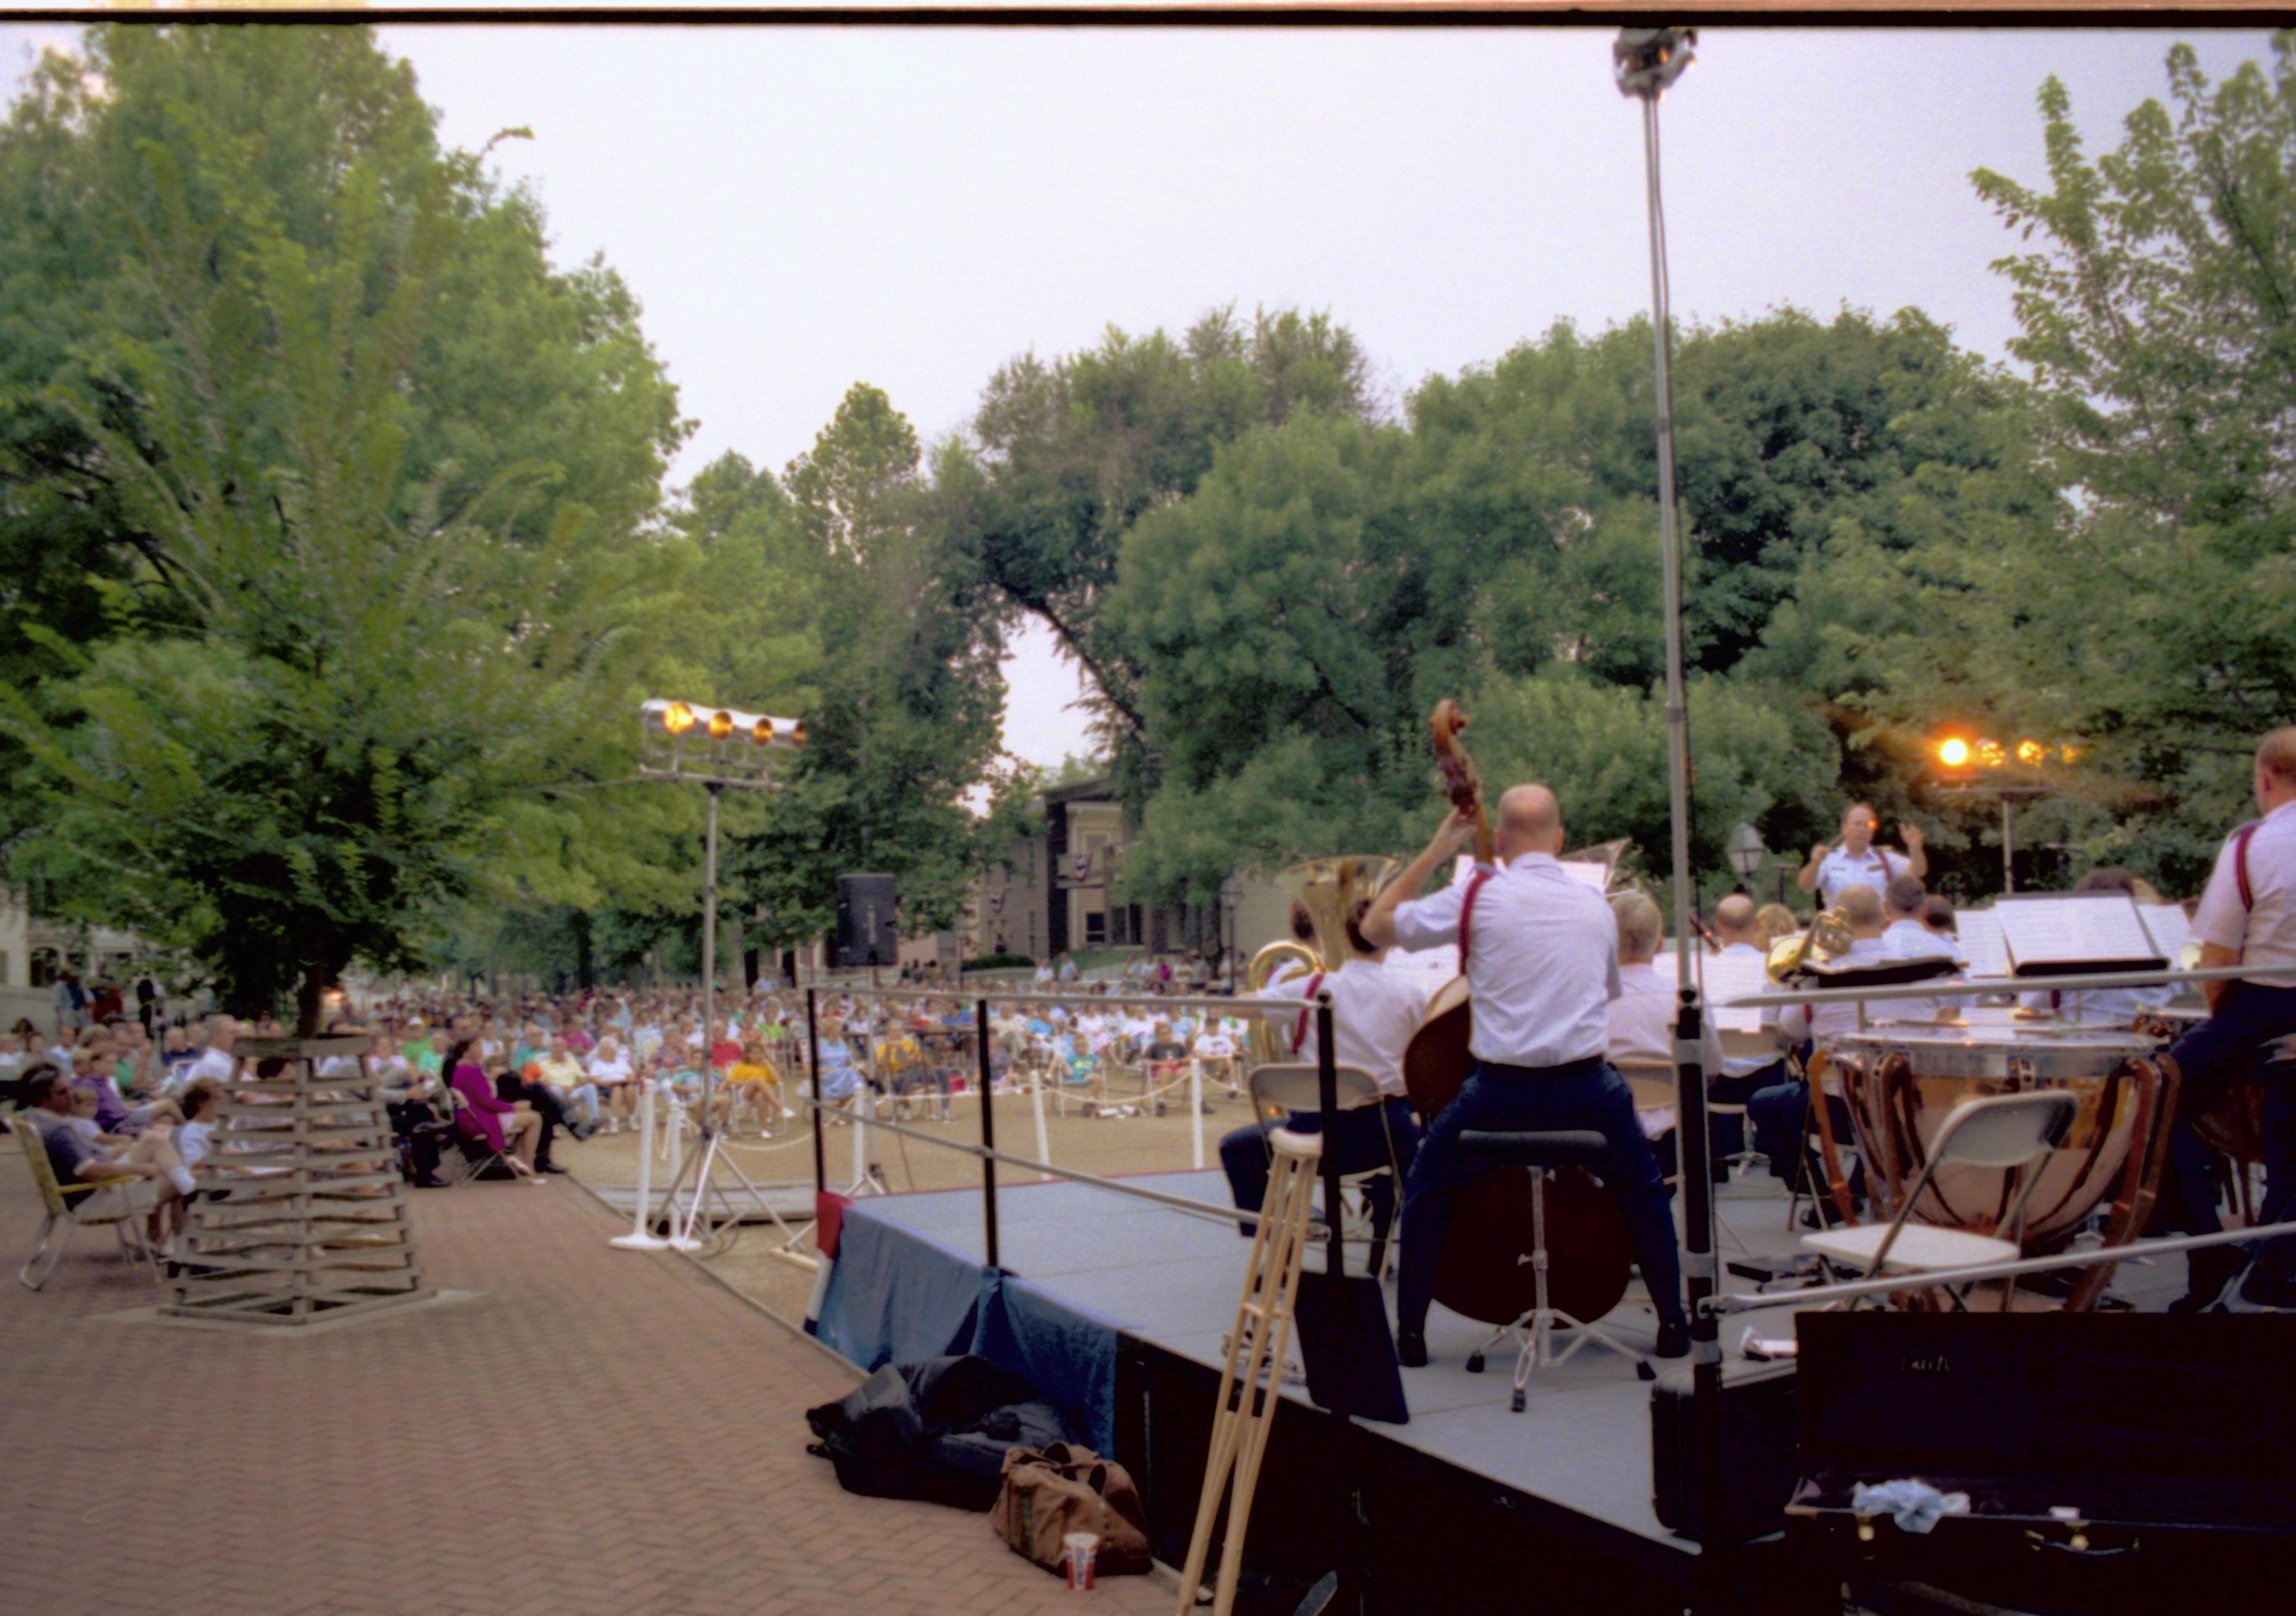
[1535,1330]
[43,1258]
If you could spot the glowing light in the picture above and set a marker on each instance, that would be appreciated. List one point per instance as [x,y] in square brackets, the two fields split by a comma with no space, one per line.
[678,717]
[797,734]
[721,725]
[1954,752]
[2031,753]
[1990,755]
[2069,754]
[762,731]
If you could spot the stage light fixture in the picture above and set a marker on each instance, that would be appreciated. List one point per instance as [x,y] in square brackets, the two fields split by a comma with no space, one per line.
[678,717]
[721,725]
[2033,753]
[1647,61]
[1953,751]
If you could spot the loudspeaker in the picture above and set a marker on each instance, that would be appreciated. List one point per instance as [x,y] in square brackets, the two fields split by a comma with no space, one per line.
[866,934]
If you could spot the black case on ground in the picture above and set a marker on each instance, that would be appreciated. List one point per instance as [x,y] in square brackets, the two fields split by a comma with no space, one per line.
[1759,1410]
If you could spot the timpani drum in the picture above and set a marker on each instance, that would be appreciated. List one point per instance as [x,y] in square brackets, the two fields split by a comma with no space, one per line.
[1900,1084]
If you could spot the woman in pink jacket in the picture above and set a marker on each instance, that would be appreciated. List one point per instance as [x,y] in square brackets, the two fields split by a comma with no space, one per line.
[511,1127]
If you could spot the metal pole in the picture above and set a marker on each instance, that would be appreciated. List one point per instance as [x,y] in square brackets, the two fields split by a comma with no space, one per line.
[813,1066]
[988,1134]
[708,958]
[2008,844]
[1327,1103]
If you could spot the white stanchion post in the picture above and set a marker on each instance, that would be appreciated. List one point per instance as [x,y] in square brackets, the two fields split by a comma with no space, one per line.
[676,1148]
[639,1239]
[1196,1109]
[1043,1139]
[861,1110]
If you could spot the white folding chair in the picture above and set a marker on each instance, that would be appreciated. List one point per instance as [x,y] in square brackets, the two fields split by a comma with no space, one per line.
[121,1202]
[2008,1133]
[1282,1088]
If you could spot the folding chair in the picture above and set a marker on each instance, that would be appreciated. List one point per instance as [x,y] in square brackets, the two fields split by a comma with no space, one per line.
[2009,1133]
[1281,1088]
[121,1203]
[467,1155]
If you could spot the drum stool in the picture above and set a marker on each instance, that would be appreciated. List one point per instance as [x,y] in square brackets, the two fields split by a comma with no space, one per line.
[1542,1154]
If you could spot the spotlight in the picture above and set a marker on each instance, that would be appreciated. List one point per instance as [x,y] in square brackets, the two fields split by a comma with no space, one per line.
[678,717]
[1953,751]
[1647,61]
[721,725]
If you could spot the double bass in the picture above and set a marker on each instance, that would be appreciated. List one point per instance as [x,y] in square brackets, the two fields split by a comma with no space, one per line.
[1484,1270]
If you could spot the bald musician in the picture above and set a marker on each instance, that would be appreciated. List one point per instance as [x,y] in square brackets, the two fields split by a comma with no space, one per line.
[2247,917]
[1541,956]
[1856,861]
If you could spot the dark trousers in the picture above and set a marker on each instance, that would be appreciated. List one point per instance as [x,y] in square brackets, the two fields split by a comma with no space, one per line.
[416,1125]
[1360,1141]
[552,1110]
[2223,1051]
[1780,1114]
[1517,1099]
[1725,1135]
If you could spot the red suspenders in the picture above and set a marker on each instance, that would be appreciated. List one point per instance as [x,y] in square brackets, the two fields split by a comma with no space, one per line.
[2241,838]
[1300,1028]
[1467,913]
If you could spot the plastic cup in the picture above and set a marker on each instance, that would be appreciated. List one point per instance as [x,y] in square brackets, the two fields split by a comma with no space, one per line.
[1083,1549]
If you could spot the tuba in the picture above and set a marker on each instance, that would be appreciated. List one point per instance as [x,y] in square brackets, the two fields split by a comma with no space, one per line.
[1326,888]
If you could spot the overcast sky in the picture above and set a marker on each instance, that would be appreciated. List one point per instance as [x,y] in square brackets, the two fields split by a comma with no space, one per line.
[801,209]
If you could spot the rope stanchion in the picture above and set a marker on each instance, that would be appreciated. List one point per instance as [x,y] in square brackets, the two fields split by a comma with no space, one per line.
[639,1238]
[1196,1110]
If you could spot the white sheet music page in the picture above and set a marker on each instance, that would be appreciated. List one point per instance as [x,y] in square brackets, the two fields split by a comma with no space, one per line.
[1734,976]
[1978,932]
[2089,929]
[2169,928]
[1588,874]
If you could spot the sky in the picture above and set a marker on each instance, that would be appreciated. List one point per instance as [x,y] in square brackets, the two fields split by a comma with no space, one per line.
[800,209]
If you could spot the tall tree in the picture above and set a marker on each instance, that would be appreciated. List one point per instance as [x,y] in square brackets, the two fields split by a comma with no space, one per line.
[353,672]
[2157,307]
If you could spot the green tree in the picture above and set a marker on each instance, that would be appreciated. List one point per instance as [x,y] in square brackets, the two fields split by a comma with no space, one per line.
[354,656]
[2156,302]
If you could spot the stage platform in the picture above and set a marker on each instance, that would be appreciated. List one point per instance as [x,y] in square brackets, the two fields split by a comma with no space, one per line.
[1114,1279]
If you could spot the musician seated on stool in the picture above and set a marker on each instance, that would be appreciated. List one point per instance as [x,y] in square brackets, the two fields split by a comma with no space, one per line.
[2247,917]
[1541,955]
[1781,1112]
[1642,1027]
[1375,1011]
[1737,928]
[1905,936]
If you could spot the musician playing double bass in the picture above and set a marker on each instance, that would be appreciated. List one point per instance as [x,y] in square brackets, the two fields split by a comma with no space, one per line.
[1541,956]
[2247,917]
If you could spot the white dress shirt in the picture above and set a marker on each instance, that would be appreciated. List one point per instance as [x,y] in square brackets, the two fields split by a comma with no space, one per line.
[1841,868]
[1375,1011]
[1911,939]
[2265,933]
[1747,1065]
[1642,1017]
[1824,1023]
[1542,961]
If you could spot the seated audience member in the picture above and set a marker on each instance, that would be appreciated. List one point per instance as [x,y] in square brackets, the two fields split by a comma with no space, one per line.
[752,1078]
[560,1072]
[613,1075]
[523,1087]
[77,1159]
[176,1152]
[837,1082]
[511,1127]
[1216,1054]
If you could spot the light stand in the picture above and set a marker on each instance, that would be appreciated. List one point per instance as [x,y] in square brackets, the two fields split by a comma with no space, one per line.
[1646,61]
[679,741]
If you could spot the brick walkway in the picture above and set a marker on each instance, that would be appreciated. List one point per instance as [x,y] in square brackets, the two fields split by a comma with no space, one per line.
[596,1432]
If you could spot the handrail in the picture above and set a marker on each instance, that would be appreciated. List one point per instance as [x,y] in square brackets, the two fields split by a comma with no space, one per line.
[1755,1301]
[1228,1003]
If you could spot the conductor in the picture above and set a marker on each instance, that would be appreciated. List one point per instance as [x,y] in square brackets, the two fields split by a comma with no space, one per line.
[1541,956]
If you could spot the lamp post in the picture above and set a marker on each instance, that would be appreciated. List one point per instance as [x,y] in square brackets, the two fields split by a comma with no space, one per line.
[1748,854]
[715,747]
[1986,767]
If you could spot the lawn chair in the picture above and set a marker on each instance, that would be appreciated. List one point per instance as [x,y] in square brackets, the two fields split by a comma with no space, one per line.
[122,1204]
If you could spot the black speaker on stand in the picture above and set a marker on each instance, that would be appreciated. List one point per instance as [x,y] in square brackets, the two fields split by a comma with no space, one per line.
[866,931]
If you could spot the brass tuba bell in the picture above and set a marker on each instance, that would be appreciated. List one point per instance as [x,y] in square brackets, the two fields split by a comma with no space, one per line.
[1326,888]
[1827,939]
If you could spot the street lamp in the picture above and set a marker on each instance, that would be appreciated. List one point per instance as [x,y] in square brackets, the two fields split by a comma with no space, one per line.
[1748,852]
[1983,767]
[714,747]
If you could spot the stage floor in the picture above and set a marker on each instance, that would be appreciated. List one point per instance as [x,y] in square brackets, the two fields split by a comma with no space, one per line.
[1171,1278]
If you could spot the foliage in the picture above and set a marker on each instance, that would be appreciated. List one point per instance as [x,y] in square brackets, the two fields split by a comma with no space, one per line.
[354,654]
[2157,306]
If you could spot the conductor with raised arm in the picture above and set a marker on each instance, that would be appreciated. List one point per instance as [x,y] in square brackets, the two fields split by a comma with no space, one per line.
[1856,861]
[1540,952]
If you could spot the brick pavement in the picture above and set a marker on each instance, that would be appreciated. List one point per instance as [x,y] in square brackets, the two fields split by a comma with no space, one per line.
[598,1431]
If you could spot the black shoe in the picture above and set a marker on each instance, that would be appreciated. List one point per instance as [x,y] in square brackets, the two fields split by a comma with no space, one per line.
[2208,1272]
[1410,1348]
[548,1167]
[432,1184]
[1673,1339]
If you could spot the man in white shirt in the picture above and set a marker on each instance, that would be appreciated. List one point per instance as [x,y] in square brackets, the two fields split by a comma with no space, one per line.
[1540,952]
[1905,937]
[1375,1011]
[1642,1027]
[1858,862]
[2247,917]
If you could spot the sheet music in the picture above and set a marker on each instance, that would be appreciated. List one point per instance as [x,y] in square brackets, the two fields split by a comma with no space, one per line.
[1596,876]
[1978,932]
[2091,928]
[2168,927]
[1734,976]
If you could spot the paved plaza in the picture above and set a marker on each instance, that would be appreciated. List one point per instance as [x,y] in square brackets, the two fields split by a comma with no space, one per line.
[580,1430]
